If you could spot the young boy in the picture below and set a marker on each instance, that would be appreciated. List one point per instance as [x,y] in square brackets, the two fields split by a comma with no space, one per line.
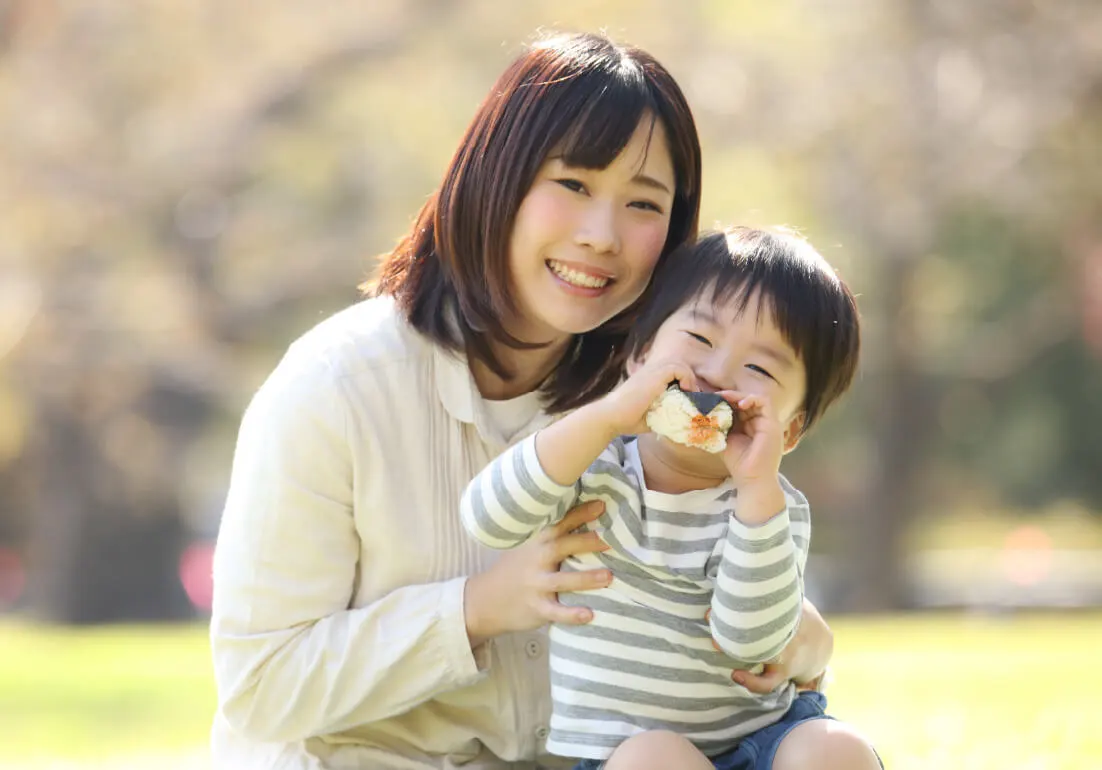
[701,546]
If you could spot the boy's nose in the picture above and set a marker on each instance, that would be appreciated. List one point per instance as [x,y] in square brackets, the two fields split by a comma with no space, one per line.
[706,384]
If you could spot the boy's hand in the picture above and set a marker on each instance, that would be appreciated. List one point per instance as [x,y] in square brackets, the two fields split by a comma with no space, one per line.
[755,445]
[624,410]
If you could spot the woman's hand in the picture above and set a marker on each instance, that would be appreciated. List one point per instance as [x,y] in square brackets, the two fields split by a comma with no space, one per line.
[519,592]
[802,661]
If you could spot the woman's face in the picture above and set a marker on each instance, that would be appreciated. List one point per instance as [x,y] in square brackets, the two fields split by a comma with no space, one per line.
[585,241]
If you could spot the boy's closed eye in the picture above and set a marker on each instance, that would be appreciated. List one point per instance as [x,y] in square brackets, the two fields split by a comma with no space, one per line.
[699,338]
[761,370]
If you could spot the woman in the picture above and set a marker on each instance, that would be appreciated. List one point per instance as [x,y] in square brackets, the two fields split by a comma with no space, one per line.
[354,623]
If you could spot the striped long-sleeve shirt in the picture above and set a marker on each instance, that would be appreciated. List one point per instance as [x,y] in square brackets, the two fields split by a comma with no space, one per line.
[646,660]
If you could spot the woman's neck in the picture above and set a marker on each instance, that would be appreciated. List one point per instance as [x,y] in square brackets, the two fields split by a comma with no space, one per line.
[668,469]
[530,368]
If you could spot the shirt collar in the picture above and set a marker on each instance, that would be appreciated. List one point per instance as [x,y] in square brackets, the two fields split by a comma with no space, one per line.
[459,394]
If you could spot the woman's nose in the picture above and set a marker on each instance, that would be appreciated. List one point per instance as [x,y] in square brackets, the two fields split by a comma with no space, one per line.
[598,228]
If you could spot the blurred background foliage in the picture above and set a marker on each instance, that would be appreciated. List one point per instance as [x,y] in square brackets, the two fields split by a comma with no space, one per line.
[187,186]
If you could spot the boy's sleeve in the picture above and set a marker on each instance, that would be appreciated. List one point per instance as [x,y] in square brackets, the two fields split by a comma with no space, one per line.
[758,594]
[513,498]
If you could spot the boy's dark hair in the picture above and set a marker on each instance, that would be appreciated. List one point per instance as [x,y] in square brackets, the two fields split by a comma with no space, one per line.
[581,95]
[812,307]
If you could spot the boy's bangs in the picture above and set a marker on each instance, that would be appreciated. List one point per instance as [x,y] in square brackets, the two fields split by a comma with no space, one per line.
[797,320]
[603,125]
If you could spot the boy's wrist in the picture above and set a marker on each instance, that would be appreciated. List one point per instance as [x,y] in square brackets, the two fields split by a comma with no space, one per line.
[598,414]
[760,502]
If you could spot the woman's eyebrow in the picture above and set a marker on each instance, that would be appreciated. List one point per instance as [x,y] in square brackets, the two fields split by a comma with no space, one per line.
[649,181]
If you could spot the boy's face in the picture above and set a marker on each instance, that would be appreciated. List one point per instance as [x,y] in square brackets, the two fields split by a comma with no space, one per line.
[729,350]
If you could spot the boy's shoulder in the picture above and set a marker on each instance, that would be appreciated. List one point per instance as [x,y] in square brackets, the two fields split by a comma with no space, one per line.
[614,458]
[793,495]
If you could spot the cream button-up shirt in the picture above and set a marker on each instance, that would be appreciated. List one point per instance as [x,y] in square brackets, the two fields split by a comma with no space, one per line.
[337,629]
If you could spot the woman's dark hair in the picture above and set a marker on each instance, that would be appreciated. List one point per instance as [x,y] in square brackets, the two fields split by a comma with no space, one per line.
[582,96]
[813,309]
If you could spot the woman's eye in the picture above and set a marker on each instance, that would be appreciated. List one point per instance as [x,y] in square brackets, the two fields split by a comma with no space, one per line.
[700,338]
[572,184]
[760,370]
[647,206]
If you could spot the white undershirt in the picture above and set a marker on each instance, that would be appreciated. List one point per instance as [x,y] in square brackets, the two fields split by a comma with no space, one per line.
[512,414]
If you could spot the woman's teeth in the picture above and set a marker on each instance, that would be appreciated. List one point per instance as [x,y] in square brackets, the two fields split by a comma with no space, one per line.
[576,278]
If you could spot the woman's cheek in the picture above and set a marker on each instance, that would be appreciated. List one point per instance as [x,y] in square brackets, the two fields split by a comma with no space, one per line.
[650,244]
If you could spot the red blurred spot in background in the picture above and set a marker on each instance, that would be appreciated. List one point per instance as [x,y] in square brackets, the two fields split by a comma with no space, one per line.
[13,577]
[195,574]
[1027,555]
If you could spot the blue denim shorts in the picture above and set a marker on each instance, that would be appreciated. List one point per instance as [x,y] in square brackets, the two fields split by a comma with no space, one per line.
[757,750]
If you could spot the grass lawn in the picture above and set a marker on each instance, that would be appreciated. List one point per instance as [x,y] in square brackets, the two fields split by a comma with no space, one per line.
[932,691]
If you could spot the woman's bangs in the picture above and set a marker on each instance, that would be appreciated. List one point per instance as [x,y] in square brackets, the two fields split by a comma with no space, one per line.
[604,124]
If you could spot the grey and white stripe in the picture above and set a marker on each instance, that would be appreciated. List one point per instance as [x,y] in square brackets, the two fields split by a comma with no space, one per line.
[646,660]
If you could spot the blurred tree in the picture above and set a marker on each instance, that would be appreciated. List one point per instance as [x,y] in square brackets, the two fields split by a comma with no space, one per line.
[184,187]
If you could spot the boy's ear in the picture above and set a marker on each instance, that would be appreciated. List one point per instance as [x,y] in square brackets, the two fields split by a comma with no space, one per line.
[793,432]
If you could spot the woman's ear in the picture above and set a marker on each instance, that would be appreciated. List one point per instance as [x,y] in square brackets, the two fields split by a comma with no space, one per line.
[793,432]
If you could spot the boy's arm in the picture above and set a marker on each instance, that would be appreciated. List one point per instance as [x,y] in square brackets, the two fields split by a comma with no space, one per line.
[512,498]
[567,447]
[758,598]
[534,483]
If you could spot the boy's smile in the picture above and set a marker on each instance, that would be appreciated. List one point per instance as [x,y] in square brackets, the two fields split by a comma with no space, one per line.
[728,347]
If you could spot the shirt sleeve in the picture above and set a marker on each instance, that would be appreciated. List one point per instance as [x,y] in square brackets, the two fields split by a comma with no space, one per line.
[758,595]
[291,660]
[513,498]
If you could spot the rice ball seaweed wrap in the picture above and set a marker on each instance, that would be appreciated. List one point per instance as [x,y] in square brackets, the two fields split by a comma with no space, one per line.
[695,419]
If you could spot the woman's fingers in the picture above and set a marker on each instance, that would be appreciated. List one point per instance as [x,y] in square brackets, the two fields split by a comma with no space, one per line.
[587,580]
[578,516]
[765,682]
[553,612]
[576,543]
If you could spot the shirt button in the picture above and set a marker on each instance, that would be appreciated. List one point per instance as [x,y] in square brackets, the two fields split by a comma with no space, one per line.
[532,649]
[542,732]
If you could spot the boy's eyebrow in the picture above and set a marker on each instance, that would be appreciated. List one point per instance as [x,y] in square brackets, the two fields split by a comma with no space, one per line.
[706,315]
[777,354]
[698,313]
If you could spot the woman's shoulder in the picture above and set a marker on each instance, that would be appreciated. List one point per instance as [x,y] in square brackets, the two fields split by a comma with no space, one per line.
[370,334]
[369,340]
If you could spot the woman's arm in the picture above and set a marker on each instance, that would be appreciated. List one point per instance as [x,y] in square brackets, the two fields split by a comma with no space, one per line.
[803,661]
[291,659]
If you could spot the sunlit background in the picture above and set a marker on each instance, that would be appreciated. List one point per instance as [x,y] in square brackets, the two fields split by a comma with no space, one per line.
[187,186]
